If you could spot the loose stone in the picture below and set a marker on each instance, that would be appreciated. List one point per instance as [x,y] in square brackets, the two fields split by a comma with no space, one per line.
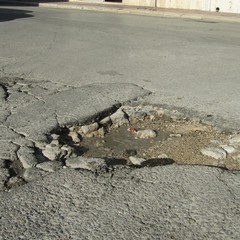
[27,157]
[89,128]
[175,135]
[163,156]
[229,149]
[234,140]
[105,121]
[67,151]
[32,174]
[136,160]
[119,118]
[217,153]
[54,136]
[91,164]
[51,152]
[50,166]
[74,136]
[147,133]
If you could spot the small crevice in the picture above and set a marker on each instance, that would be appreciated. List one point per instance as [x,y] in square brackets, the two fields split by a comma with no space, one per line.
[7,93]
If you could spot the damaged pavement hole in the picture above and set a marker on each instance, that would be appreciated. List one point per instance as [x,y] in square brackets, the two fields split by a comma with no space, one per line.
[132,136]
[148,136]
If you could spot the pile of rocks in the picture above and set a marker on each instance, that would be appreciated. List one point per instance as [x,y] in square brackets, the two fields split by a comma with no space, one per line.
[61,149]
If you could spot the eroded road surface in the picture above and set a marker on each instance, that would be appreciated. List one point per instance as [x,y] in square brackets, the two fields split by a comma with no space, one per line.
[118,127]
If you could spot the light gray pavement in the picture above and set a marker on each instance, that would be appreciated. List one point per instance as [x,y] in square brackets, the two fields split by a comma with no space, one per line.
[65,66]
[170,202]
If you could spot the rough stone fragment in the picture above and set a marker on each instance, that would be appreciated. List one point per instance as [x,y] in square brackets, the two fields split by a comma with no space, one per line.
[146,133]
[50,166]
[229,149]
[55,142]
[136,160]
[163,155]
[27,157]
[105,121]
[90,164]
[32,174]
[74,136]
[51,152]
[217,153]
[119,118]
[101,132]
[8,150]
[54,137]
[175,135]
[89,128]
[67,151]
[235,139]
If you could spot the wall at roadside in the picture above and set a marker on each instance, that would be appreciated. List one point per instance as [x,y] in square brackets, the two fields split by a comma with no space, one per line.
[228,6]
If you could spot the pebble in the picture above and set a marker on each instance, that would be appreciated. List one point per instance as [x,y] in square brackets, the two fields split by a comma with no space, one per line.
[136,160]
[217,153]
[119,118]
[54,136]
[146,133]
[67,151]
[229,149]
[51,152]
[91,164]
[89,128]
[175,135]
[74,136]
[235,139]
[50,166]
[163,155]
[55,142]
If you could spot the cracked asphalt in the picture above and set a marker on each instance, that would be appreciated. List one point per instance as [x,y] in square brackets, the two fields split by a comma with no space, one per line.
[64,67]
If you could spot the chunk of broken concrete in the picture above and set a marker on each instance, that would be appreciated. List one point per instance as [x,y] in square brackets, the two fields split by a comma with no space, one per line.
[146,133]
[89,128]
[32,174]
[74,136]
[119,118]
[136,160]
[51,152]
[105,121]
[235,139]
[229,149]
[27,157]
[91,164]
[217,153]
[50,166]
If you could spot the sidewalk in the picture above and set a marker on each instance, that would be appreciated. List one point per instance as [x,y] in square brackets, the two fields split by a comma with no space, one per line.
[120,8]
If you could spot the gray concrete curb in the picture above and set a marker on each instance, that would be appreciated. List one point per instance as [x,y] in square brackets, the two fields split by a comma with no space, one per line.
[118,8]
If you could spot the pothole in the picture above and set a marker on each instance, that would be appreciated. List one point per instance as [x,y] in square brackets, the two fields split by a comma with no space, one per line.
[133,136]
[145,133]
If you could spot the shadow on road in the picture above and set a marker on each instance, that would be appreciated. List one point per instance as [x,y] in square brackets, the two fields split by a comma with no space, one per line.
[12,14]
[27,2]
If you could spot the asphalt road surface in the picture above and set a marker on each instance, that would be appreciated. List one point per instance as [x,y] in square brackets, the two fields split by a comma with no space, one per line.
[60,66]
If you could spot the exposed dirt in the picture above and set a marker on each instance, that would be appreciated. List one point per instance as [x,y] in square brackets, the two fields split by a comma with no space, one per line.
[180,140]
